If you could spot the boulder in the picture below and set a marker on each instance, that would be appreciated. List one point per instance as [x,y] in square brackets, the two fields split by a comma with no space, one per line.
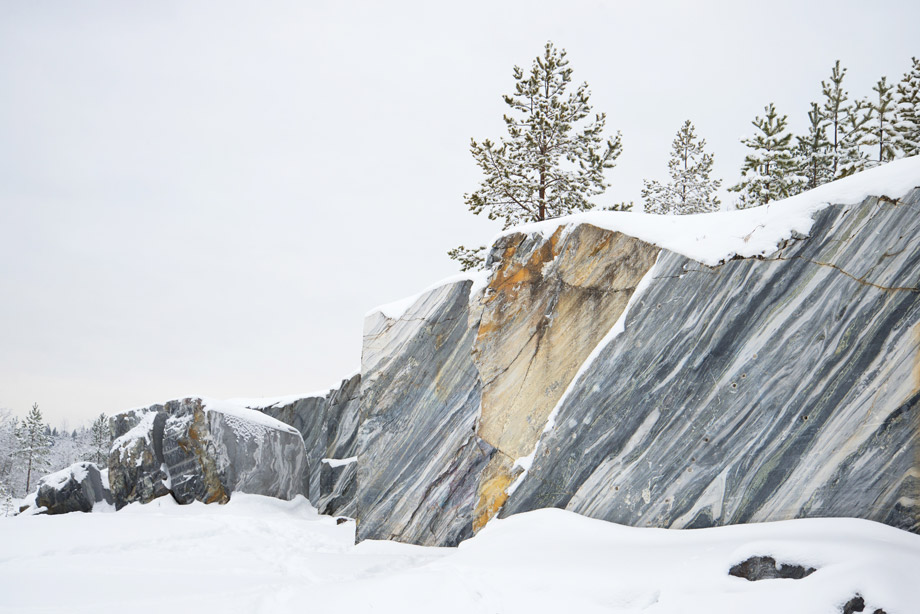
[201,450]
[75,489]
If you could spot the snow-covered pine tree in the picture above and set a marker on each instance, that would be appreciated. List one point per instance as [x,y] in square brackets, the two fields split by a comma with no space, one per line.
[33,445]
[881,133]
[690,190]
[856,126]
[814,163]
[768,172]
[907,111]
[552,162]
[6,500]
[834,111]
[101,441]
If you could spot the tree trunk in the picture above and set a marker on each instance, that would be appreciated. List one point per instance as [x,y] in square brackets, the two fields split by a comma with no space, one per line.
[541,215]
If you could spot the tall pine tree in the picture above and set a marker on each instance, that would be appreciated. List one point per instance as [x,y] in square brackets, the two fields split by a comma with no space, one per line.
[554,157]
[907,111]
[835,110]
[101,441]
[881,136]
[768,172]
[814,162]
[34,445]
[854,156]
[690,190]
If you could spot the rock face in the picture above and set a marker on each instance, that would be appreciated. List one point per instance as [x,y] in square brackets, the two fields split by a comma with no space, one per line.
[548,303]
[419,458]
[203,451]
[74,489]
[762,389]
[329,427]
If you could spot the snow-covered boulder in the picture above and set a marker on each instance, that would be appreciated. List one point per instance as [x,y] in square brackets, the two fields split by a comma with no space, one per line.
[203,450]
[77,488]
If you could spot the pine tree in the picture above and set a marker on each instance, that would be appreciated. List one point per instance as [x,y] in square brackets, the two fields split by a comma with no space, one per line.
[552,162]
[856,138]
[834,112]
[814,163]
[33,444]
[6,500]
[690,189]
[881,133]
[101,441]
[907,111]
[768,173]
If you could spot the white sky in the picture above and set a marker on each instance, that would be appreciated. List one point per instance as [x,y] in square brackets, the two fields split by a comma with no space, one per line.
[206,197]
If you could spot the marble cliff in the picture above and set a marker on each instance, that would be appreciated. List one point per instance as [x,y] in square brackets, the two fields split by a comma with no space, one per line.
[597,368]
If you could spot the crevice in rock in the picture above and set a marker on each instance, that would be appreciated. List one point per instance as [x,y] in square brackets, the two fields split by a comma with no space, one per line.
[859,280]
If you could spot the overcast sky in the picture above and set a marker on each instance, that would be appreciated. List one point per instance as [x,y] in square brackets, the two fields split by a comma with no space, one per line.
[206,197]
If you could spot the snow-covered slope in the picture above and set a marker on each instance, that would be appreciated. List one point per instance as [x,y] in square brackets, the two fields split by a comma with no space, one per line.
[257,554]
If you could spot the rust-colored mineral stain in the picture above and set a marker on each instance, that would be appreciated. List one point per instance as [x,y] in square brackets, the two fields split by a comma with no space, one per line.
[493,492]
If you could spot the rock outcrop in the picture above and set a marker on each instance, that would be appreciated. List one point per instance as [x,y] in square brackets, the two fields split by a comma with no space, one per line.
[77,488]
[761,389]
[203,451]
[548,303]
[329,426]
[597,372]
[419,457]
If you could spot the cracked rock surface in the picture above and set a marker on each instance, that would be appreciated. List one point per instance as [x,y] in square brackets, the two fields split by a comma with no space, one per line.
[758,390]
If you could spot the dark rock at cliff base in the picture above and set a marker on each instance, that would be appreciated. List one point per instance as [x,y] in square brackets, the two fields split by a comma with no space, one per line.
[75,489]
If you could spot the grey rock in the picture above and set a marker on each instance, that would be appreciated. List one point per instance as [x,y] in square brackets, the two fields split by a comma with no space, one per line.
[74,489]
[136,468]
[419,458]
[200,451]
[758,390]
[329,427]
[758,568]
[338,487]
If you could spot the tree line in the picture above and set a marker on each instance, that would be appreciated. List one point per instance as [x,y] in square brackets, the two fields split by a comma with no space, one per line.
[30,448]
[553,159]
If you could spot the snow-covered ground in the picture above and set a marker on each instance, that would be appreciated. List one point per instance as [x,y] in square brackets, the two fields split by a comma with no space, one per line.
[257,554]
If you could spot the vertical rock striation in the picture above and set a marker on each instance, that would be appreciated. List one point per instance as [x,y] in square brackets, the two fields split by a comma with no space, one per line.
[329,427]
[761,389]
[418,454]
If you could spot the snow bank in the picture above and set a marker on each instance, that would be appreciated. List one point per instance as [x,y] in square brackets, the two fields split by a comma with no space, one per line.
[713,238]
[257,554]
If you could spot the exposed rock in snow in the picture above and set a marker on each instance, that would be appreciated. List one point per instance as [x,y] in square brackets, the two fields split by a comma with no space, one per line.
[77,488]
[419,459]
[202,450]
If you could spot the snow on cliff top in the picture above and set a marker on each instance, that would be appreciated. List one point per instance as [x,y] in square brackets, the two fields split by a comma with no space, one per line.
[229,408]
[713,238]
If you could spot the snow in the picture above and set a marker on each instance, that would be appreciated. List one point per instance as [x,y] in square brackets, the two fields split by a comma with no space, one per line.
[713,238]
[340,462]
[396,309]
[246,418]
[280,401]
[141,430]
[257,554]
[59,479]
